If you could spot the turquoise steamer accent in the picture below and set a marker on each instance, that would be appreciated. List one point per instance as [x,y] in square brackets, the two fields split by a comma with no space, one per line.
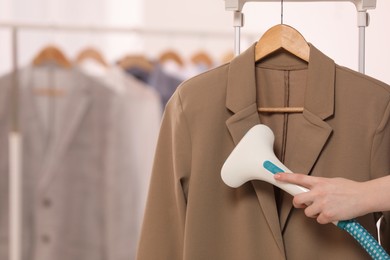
[357,231]
[272,168]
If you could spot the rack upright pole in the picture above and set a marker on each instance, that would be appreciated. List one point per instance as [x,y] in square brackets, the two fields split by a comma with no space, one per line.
[363,20]
[238,22]
[15,151]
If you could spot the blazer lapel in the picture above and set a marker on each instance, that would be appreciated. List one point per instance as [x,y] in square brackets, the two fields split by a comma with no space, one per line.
[314,131]
[70,116]
[30,121]
[241,101]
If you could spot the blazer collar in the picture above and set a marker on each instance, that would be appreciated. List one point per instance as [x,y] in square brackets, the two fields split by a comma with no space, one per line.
[318,106]
[315,131]
[241,88]
[241,100]
[75,103]
[319,94]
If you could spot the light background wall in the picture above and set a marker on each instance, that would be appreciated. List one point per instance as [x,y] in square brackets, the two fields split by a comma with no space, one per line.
[330,26]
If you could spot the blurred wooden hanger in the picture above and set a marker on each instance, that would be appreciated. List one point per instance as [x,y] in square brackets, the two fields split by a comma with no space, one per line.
[51,53]
[136,61]
[284,37]
[227,57]
[201,57]
[93,54]
[171,55]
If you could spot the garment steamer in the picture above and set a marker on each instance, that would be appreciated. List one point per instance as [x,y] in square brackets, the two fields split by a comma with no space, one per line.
[253,159]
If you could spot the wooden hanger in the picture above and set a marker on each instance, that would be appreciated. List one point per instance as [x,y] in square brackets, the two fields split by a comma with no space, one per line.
[48,54]
[171,55]
[201,57]
[136,61]
[93,54]
[285,37]
[280,109]
[51,53]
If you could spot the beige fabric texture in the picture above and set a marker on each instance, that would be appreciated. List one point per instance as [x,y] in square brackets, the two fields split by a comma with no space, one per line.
[344,131]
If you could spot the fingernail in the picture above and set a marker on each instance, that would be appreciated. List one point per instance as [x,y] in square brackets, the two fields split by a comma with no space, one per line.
[277,176]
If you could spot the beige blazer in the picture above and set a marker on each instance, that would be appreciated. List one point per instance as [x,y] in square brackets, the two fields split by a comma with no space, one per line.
[66,172]
[344,131]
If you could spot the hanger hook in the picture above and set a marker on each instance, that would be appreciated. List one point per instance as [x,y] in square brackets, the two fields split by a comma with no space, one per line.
[281,11]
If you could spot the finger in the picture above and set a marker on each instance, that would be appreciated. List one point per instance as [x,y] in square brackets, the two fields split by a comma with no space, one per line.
[299,206]
[296,178]
[303,200]
[322,219]
[312,211]
[327,216]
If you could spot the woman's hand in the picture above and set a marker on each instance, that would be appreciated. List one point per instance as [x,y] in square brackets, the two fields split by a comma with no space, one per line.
[329,199]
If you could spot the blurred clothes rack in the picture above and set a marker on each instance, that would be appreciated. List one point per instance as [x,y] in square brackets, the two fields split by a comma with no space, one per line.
[16,150]
[86,161]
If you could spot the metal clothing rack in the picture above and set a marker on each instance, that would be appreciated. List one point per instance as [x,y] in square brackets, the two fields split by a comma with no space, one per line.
[362,20]
[15,137]
[112,29]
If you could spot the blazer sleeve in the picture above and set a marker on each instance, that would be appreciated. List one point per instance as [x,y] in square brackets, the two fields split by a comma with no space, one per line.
[163,229]
[380,167]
